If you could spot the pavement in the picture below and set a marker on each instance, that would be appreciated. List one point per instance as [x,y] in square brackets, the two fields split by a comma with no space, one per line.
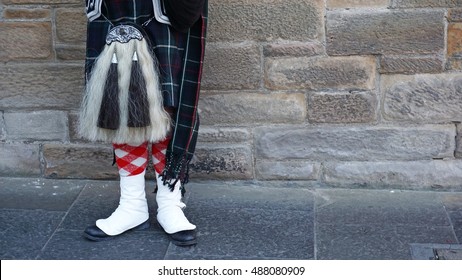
[43,219]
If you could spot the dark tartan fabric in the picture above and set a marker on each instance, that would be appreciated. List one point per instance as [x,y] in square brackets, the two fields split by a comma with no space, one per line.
[180,57]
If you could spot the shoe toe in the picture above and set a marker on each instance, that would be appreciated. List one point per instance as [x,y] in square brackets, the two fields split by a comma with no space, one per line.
[94,233]
[184,238]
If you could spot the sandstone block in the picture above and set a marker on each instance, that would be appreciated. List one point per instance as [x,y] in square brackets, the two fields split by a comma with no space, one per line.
[236,66]
[287,170]
[64,52]
[222,162]
[360,143]
[431,174]
[252,108]
[454,63]
[357,3]
[36,125]
[78,161]
[19,159]
[411,65]
[426,3]
[293,49]
[23,13]
[385,31]
[223,134]
[318,73]
[455,14]
[265,20]
[33,37]
[41,86]
[73,128]
[455,39]
[71,25]
[423,98]
[342,107]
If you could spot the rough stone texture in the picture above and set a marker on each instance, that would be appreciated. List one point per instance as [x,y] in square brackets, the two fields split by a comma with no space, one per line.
[411,65]
[293,49]
[455,39]
[423,98]
[355,143]
[73,127]
[33,37]
[342,107]
[454,63]
[286,170]
[458,152]
[78,161]
[23,13]
[2,127]
[385,32]
[251,108]
[31,227]
[36,125]
[350,73]
[222,162]
[41,86]
[265,20]
[357,3]
[19,159]
[64,52]
[223,134]
[71,25]
[426,3]
[234,66]
[433,174]
[455,14]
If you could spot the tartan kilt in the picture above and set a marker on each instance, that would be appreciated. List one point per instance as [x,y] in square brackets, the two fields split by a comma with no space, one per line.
[180,58]
[168,45]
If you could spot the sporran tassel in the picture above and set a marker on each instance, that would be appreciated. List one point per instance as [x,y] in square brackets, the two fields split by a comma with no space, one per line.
[109,115]
[138,105]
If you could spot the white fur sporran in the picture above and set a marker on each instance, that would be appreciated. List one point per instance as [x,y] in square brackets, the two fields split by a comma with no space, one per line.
[123,102]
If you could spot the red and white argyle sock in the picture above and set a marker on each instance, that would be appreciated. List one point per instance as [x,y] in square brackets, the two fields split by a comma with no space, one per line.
[159,150]
[131,159]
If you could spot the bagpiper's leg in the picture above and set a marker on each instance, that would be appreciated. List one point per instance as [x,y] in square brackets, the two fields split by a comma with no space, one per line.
[170,207]
[132,212]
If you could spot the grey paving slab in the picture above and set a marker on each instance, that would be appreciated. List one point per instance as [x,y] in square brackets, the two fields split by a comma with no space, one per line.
[375,242]
[44,218]
[380,207]
[229,233]
[251,196]
[98,200]
[456,219]
[23,233]
[448,254]
[36,193]
[452,201]
[135,245]
[433,251]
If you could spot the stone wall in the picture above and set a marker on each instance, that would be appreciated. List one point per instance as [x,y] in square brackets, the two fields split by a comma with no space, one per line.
[334,92]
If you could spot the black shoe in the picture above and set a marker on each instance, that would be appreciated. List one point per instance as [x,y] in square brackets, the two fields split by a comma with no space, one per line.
[94,233]
[182,238]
